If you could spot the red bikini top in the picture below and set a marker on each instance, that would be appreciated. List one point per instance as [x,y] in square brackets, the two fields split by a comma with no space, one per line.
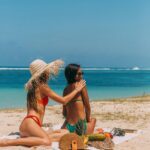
[43,101]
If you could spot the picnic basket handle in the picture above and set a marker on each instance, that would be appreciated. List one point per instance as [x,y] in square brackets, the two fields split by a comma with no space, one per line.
[74,145]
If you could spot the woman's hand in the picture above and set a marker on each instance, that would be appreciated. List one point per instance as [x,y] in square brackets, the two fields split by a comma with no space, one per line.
[80,85]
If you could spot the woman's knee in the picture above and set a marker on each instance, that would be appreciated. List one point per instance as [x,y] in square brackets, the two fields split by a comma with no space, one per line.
[64,131]
[46,141]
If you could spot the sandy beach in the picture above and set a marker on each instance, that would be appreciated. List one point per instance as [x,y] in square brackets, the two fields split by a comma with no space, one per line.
[130,113]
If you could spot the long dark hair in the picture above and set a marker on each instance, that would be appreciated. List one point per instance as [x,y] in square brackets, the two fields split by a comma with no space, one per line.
[71,72]
[31,96]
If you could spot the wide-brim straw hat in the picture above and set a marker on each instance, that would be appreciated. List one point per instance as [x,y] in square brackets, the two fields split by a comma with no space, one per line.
[38,66]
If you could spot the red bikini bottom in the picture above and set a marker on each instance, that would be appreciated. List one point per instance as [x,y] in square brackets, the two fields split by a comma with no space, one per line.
[35,118]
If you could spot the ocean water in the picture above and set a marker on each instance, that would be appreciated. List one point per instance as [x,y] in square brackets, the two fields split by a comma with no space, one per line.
[102,83]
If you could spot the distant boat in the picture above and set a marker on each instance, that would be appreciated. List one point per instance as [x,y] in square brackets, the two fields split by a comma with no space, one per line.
[135,68]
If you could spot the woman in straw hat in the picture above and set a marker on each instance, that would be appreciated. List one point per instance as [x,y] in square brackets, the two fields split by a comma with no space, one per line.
[37,98]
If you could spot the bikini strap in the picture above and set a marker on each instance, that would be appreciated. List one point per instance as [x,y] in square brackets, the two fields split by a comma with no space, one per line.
[75,100]
[35,118]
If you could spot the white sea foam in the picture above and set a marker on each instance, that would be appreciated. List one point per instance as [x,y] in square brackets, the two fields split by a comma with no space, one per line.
[84,68]
[136,68]
[4,68]
[96,68]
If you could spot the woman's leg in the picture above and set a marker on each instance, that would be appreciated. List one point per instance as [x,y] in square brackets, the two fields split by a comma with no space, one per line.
[57,134]
[91,126]
[35,135]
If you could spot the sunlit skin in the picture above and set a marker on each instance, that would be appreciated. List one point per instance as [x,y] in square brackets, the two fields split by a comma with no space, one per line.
[80,109]
[31,133]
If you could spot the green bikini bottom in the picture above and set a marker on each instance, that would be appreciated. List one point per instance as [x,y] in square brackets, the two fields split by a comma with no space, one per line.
[80,127]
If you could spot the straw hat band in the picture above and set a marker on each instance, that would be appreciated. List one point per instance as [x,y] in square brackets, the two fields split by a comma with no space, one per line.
[37,66]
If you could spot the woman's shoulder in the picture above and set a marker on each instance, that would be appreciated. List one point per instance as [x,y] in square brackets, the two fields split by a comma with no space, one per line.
[69,88]
[44,88]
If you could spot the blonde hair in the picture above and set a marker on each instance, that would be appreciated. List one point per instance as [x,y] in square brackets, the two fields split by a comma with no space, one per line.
[31,95]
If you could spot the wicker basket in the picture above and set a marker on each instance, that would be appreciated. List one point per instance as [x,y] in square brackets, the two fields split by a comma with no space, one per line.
[66,142]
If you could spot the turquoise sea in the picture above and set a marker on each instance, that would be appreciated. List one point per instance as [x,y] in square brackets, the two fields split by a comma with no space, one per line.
[102,83]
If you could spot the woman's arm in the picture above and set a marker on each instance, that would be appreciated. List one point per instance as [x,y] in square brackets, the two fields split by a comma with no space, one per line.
[64,107]
[64,112]
[85,98]
[63,100]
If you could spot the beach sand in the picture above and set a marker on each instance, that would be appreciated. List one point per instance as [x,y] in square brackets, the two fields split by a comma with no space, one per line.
[130,113]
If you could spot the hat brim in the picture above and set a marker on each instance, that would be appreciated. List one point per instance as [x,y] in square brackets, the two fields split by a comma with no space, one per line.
[53,68]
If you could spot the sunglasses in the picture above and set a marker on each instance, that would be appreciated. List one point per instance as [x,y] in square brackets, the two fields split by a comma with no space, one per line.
[80,73]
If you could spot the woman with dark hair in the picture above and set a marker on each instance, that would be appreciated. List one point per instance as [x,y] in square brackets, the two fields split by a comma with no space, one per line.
[37,98]
[77,112]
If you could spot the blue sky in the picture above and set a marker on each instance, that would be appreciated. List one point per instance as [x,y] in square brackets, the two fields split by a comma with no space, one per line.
[100,33]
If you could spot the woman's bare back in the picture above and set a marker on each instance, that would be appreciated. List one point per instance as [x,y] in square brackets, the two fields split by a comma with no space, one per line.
[75,108]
